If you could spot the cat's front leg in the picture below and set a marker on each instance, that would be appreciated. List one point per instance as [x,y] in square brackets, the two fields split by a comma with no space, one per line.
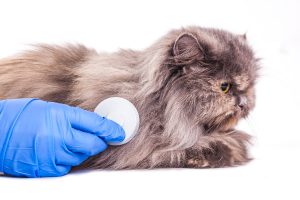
[219,150]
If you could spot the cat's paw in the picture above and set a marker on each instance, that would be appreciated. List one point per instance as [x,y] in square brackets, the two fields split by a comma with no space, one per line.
[197,163]
[218,154]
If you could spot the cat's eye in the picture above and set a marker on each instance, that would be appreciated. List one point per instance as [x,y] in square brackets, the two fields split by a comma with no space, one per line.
[225,87]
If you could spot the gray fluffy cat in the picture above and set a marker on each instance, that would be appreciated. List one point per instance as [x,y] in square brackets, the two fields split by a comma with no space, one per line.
[190,87]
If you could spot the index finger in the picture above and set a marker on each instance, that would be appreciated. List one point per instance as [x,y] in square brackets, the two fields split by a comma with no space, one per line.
[91,122]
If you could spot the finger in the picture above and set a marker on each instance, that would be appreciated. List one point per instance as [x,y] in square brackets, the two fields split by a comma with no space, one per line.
[23,169]
[20,169]
[60,170]
[91,122]
[68,158]
[84,143]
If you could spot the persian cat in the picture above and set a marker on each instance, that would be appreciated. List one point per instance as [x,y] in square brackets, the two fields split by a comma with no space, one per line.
[190,87]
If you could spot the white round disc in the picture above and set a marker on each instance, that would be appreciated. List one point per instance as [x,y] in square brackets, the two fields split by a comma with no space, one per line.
[123,112]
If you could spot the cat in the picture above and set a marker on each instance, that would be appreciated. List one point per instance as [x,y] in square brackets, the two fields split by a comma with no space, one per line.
[190,88]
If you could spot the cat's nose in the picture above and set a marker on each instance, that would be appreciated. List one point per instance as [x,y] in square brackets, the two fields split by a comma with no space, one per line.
[241,106]
[242,102]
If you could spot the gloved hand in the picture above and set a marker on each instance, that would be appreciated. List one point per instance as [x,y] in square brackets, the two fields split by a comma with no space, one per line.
[39,138]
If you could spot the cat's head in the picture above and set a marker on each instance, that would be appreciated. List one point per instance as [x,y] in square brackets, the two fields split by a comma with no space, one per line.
[209,78]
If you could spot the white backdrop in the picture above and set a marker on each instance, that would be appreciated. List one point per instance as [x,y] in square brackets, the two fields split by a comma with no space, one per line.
[273,30]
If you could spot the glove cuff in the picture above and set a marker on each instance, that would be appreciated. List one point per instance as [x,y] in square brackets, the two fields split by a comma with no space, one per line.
[10,110]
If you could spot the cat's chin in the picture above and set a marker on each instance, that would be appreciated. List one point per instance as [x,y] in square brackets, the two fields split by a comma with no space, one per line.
[229,123]
[226,123]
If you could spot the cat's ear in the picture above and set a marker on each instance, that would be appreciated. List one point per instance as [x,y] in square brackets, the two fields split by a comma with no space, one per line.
[243,36]
[187,49]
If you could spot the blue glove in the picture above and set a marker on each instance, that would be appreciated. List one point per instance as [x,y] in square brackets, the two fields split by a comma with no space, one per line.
[39,138]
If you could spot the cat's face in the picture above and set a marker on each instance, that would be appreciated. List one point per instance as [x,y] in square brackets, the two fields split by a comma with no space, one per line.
[212,77]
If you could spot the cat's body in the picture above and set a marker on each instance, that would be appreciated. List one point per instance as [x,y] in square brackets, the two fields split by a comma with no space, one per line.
[185,120]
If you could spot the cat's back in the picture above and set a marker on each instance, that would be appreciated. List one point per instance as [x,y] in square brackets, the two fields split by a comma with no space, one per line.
[41,72]
[66,73]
